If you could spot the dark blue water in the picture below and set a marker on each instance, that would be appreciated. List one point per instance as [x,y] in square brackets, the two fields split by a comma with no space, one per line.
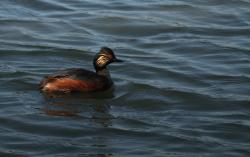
[183,90]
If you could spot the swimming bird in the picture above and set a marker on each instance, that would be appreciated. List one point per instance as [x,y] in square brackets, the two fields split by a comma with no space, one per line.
[81,80]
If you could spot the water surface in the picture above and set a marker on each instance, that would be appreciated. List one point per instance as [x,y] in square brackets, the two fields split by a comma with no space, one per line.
[183,90]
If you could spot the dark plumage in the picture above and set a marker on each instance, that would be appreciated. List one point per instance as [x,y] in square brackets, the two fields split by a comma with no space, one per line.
[77,79]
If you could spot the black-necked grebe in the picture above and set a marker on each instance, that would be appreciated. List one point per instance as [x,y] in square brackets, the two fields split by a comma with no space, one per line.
[82,80]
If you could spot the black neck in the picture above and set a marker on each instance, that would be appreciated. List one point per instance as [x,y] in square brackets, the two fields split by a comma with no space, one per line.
[103,72]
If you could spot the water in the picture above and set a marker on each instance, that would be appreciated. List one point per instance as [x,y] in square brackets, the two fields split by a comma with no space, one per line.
[183,90]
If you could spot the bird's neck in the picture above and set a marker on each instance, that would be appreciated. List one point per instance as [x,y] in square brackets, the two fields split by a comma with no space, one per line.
[104,72]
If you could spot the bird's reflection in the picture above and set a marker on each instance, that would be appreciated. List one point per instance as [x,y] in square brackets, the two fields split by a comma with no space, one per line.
[92,106]
[86,108]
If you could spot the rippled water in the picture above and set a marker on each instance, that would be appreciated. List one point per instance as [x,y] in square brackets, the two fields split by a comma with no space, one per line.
[183,90]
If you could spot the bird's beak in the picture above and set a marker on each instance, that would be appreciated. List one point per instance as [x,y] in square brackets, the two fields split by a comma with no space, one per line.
[118,60]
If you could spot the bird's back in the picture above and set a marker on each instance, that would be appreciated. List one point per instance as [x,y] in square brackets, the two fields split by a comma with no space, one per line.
[74,80]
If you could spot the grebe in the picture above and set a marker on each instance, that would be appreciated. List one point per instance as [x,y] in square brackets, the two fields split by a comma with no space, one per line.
[77,79]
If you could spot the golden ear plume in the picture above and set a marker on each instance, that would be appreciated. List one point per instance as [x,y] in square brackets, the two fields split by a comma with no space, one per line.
[102,60]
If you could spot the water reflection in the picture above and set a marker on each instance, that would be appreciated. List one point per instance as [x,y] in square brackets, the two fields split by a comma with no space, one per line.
[96,155]
[92,106]
[90,109]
